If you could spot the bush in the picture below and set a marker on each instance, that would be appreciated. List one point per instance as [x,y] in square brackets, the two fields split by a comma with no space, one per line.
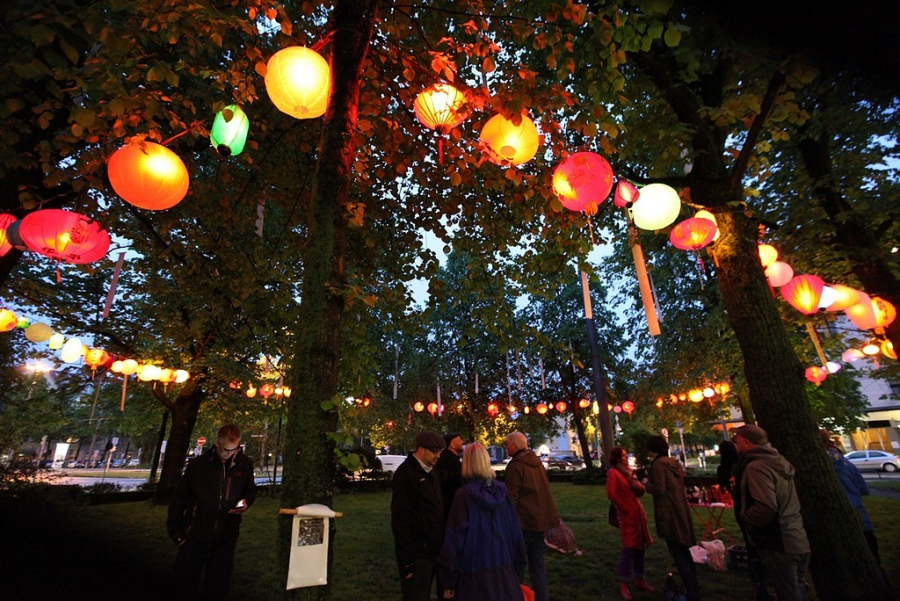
[590,475]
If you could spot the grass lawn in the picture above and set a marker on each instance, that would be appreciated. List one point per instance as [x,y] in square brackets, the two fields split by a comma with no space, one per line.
[108,547]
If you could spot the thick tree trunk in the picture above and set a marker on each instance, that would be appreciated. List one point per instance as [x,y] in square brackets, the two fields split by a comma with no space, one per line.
[309,457]
[867,257]
[184,415]
[842,567]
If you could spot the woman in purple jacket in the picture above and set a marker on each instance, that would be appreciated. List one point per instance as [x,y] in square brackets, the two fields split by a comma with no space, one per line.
[483,548]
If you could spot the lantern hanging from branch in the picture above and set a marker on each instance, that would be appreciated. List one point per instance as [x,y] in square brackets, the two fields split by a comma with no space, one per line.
[72,350]
[692,235]
[871,349]
[846,297]
[833,367]
[5,221]
[767,255]
[229,131]
[887,349]
[541,408]
[707,215]
[182,376]
[628,407]
[851,355]
[695,395]
[419,407]
[803,293]
[441,107]
[266,390]
[148,176]
[656,208]
[582,181]
[64,236]
[584,403]
[508,141]
[432,408]
[8,320]
[829,295]
[38,332]
[94,358]
[251,391]
[816,374]
[885,313]
[298,81]
[862,314]
[56,341]
[493,409]
[626,194]
[561,406]
[779,273]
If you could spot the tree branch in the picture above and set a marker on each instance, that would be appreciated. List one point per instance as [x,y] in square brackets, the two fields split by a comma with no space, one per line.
[740,166]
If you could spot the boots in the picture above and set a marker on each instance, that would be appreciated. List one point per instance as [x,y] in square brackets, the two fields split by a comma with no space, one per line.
[644,585]
[624,592]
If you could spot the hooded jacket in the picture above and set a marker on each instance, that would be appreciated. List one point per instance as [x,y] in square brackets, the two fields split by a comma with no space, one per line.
[483,545]
[207,491]
[770,508]
[529,489]
[670,507]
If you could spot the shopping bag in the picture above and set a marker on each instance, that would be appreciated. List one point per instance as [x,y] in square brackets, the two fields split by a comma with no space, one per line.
[698,554]
[613,517]
[527,593]
[715,552]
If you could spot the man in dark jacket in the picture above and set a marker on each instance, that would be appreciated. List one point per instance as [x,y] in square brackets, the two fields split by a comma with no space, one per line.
[529,488]
[417,517]
[205,516]
[770,511]
[449,468]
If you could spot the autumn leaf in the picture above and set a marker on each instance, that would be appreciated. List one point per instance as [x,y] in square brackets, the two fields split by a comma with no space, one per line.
[488,65]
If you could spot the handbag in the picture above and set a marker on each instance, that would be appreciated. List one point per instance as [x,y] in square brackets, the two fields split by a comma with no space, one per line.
[613,517]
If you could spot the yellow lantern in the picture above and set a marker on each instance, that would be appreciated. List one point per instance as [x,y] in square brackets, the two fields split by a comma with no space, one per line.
[656,208]
[8,320]
[298,81]
[541,408]
[148,373]
[695,395]
[251,391]
[72,350]
[767,255]
[846,298]
[862,314]
[887,349]
[584,403]
[56,341]
[508,142]
[885,313]
[871,349]
[38,332]
[441,107]
[166,376]
[129,366]
[709,216]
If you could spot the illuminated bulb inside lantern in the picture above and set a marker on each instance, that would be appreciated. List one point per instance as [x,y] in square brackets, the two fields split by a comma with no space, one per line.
[709,392]
[64,240]
[871,349]
[695,395]
[707,215]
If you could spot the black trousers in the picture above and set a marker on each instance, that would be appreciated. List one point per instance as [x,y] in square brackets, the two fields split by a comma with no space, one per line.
[203,570]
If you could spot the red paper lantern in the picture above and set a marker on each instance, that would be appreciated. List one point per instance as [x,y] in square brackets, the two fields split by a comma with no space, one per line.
[5,221]
[266,390]
[561,406]
[816,374]
[298,81]
[148,175]
[628,407]
[803,293]
[64,236]
[432,408]
[693,233]
[582,181]
[626,194]
[493,409]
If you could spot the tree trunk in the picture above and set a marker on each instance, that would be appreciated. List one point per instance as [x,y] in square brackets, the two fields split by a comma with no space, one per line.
[842,567]
[309,459]
[184,415]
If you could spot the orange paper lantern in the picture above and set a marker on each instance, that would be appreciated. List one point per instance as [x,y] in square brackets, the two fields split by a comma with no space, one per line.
[298,81]
[693,233]
[493,409]
[885,313]
[803,293]
[584,403]
[582,181]
[508,142]
[541,408]
[148,175]
[64,236]
[862,314]
[419,407]
[695,395]
[5,221]
[432,408]
[887,349]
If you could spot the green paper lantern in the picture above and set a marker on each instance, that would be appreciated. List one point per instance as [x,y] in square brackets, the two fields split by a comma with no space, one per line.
[229,131]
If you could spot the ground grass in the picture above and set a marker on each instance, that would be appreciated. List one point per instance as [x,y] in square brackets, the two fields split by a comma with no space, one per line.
[125,545]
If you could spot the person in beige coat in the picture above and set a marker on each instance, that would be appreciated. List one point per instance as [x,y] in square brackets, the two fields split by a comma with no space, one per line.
[672,514]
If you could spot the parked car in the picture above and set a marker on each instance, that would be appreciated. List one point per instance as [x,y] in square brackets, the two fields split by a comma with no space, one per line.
[874,460]
[390,463]
[117,463]
[562,461]
[74,463]
[134,462]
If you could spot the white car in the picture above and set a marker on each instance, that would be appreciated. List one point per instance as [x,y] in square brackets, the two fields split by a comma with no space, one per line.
[390,463]
[874,460]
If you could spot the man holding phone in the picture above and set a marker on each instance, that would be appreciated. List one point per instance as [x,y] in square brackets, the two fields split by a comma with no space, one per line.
[205,516]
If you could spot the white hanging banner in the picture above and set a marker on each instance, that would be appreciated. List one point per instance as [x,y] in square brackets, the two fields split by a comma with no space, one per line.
[309,546]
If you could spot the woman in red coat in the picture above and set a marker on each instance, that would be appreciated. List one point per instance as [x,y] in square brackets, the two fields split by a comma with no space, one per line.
[623,490]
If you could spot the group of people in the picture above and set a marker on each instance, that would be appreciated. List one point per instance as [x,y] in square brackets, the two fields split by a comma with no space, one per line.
[456,524]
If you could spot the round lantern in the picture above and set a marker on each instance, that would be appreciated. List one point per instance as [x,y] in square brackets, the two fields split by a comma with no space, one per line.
[851,355]
[656,208]
[72,350]
[56,341]
[64,236]
[251,391]
[5,221]
[816,374]
[885,313]
[862,314]
[182,376]
[298,81]
[693,233]
[95,357]
[779,274]
[506,141]
[8,320]
[626,194]
[38,332]
[828,297]
[167,376]
[708,392]
[527,410]
[803,293]
[148,175]
[722,388]
[846,297]
[584,403]
[116,367]
[441,107]
[887,349]
[266,390]
[229,131]
[711,217]
[541,408]
[617,409]
[871,349]
[695,395]
[582,181]
[419,407]
[767,255]
[511,408]
[129,366]
[833,367]
[148,373]
[432,408]
[628,407]
[493,409]
[561,406]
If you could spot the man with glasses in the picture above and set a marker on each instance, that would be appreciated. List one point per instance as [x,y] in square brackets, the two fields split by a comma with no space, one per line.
[205,516]
[417,517]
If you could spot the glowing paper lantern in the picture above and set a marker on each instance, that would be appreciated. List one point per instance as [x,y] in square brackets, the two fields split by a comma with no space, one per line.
[148,175]
[266,390]
[833,367]
[767,255]
[582,181]
[862,314]
[116,367]
[148,373]
[166,376]
[628,407]
[22,323]
[828,297]
[711,217]
[626,194]
[229,131]
[419,407]
[885,313]
[432,408]
[5,221]
[8,320]
[723,388]
[561,406]
[129,366]
[851,355]
[692,234]
[695,395]
[584,403]
[871,349]
[816,374]
[617,409]
[493,409]
[803,293]
[64,236]
[846,297]
[541,408]
[656,208]
[72,350]
[779,274]
[441,107]
[182,376]
[56,341]
[709,392]
[251,391]
[95,357]
[298,81]
[506,141]
[887,349]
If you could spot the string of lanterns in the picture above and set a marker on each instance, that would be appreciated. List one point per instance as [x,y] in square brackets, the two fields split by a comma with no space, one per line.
[697,395]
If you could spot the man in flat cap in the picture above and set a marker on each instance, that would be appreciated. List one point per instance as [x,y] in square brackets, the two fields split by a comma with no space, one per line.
[449,468]
[417,517]
[770,511]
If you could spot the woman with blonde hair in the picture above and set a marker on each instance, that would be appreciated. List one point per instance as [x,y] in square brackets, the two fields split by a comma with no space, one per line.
[483,547]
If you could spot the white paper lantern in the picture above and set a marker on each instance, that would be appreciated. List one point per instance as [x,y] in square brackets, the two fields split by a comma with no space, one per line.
[656,208]
[72,350]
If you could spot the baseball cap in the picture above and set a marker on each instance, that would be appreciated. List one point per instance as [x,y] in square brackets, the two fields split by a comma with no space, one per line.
[430,440]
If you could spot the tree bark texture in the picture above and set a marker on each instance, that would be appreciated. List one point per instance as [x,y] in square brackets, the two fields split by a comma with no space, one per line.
[184,415]
[309,452]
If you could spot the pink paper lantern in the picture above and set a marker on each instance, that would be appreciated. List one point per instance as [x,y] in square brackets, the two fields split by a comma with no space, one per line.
[779,274]
[582,180]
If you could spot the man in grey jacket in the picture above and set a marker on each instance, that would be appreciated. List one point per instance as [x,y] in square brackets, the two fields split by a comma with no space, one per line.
[529,488]
[771,512]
